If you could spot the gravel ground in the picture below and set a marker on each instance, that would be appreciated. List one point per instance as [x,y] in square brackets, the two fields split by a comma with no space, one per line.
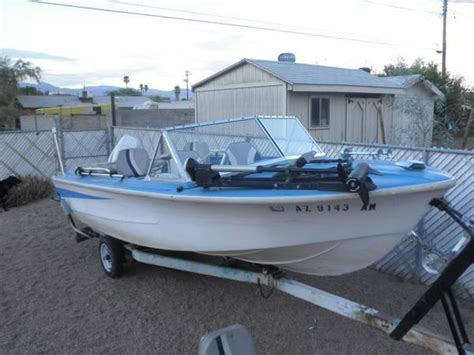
[55,299]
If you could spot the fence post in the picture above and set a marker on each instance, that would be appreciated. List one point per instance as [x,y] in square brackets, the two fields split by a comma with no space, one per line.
[426,156]
[110,138]
[59,129]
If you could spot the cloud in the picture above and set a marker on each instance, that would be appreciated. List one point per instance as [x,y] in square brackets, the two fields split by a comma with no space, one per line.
[19,53]
[75,80]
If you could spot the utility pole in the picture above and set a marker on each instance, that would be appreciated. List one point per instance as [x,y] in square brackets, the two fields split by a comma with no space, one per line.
[187,73]
[445,15]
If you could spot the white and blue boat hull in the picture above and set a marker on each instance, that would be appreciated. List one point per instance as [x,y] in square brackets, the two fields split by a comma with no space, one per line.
[314,232]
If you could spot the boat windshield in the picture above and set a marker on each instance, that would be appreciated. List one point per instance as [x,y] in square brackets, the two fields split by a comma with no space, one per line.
[245,141]
[290,136]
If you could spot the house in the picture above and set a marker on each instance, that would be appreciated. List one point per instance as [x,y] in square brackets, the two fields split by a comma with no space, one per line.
[125,102]
[28,104]
[164,115]
[336,104]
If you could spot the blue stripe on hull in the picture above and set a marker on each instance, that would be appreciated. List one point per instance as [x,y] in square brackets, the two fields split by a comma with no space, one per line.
[64,193]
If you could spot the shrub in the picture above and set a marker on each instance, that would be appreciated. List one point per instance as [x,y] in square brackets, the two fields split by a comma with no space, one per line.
[32,188]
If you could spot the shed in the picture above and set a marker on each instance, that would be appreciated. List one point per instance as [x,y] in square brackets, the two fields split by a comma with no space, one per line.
[336,104]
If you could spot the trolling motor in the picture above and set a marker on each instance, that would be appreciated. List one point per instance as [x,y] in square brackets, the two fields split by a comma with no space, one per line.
[342,178]
[308,158]
[359,181]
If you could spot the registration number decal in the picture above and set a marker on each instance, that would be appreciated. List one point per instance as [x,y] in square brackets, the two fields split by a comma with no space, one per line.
[343,207]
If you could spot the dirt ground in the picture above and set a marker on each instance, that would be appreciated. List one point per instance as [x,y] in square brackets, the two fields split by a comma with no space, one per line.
[55,299]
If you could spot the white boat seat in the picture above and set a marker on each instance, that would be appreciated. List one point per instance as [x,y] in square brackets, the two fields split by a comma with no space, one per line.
[186,154]
[133,162]
[242,153]
[201,148]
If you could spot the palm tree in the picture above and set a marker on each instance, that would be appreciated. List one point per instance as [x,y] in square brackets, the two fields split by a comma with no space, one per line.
[126,80]
[146,88]
[141,88]
[177,91]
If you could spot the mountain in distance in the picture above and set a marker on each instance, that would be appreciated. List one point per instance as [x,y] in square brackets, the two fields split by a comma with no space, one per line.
[99,90]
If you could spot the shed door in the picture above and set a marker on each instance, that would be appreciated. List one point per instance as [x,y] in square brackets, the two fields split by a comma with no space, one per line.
[371,124]
[362,122]
[355,119]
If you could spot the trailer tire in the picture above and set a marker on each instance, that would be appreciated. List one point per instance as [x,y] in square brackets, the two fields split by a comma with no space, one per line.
[111,256]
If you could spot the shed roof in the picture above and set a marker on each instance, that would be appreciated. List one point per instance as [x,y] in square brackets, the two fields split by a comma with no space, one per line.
[39,101]
[320,75]
[311,74]
[405,81]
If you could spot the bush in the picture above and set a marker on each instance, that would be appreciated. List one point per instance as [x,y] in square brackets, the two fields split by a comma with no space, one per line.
[32,188]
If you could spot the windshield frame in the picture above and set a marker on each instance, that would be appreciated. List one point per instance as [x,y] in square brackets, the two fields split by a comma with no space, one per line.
[166,139]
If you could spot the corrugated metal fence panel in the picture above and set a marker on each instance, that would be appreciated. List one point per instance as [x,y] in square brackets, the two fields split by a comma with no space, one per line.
[437,232]
[27,153]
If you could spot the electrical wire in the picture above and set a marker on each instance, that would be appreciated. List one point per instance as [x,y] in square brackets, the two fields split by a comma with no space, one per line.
[221,16]
[221,23]
[401,7]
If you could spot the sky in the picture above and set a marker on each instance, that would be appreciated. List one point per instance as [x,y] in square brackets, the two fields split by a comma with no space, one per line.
[76,47]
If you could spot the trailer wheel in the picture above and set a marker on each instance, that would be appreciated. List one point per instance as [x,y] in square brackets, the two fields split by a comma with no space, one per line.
[111,256]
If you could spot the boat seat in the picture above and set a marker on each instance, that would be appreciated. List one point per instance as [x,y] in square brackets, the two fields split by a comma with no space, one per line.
[186,154]
[133,162]
[201,148]
[242,153]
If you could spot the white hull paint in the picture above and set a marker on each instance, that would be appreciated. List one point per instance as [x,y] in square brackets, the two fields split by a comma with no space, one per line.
[321,235]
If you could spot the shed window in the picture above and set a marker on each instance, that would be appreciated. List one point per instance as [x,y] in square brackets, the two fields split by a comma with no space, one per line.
[319,112]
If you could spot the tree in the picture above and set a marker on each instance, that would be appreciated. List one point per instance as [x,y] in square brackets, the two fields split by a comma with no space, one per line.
[418,129]
[10,76]
[126,80]
[29,90]
[141,88]
[448,111]
[125,92]
[177,91]
[146,88]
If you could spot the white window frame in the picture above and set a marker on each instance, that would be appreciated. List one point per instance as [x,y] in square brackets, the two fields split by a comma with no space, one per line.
[310,125]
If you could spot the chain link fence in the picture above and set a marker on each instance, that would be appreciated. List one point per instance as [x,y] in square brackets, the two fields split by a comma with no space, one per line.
[34,153]
[84,147]
[437,234]
[23,153]
[27,153]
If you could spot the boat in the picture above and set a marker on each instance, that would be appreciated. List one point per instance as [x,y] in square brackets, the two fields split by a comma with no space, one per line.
[257,189]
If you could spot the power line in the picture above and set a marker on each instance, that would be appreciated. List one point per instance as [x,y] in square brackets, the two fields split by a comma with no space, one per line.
[221,16]
[221,23]
[401,7]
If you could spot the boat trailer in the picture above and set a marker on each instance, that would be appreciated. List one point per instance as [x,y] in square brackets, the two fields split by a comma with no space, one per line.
[405,329]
